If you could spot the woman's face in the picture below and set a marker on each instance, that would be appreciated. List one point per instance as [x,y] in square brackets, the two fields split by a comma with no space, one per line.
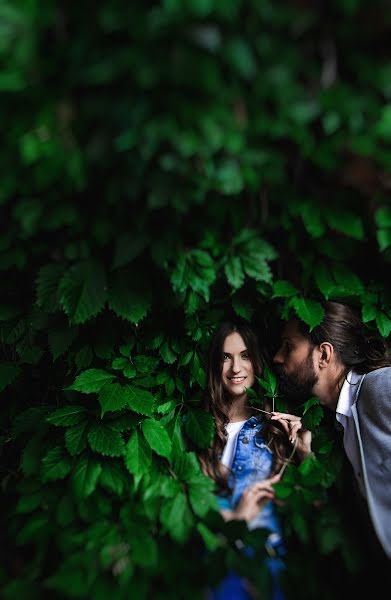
[237,373]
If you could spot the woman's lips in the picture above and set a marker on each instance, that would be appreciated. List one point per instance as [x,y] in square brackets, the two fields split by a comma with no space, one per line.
[236,380]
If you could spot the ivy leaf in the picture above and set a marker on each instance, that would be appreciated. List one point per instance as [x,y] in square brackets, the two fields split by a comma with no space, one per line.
[167,353]
[60,340]
[256,267]
[141,401]
[8,373]
[234,272]
[55,465]
[76,438]
[311,216]
[47,283]
[269,382]
[312,415]
[112,397]
[199,426]
[128,301]
[138,455]
[324,280]
[113,477]
[157,437]
[83,291]
[84,357]
[91,381]
[176,517]
[284,289]
[345,222]
[105,440]
[309,311]
[128,246]
[201,497]
[67,415]
[211,540]
[383,324]
[124,364]
[85,475]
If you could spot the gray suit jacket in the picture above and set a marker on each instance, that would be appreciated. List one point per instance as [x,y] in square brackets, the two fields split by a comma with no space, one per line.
[372,417]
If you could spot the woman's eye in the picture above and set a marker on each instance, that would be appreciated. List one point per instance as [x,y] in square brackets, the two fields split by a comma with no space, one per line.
[245,355]
[225,357]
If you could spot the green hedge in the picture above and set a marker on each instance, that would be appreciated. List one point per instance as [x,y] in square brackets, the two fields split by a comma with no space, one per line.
[165,164]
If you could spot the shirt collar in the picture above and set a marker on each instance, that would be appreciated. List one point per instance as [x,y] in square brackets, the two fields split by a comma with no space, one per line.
[347,395]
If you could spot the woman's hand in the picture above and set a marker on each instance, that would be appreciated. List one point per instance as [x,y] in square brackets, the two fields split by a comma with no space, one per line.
[252,500]
[295,432]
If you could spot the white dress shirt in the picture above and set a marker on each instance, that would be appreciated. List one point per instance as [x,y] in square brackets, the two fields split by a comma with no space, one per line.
[344,416]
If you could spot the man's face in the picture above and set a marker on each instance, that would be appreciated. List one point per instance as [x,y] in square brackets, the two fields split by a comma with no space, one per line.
[294,365]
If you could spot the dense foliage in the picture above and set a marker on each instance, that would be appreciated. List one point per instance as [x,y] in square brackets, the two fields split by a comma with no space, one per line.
[165,164]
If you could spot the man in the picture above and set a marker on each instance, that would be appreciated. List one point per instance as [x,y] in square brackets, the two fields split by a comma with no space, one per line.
[350,373]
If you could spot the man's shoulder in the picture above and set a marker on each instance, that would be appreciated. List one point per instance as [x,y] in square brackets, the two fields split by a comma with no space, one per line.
[379,377]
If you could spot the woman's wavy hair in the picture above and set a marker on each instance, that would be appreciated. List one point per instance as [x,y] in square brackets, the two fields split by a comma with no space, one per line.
[354,348]
[218,403]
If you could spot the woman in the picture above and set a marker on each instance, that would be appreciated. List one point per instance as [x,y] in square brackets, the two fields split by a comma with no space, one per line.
[248,449]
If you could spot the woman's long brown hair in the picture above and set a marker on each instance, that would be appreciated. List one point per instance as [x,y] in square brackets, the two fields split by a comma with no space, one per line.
[218,403]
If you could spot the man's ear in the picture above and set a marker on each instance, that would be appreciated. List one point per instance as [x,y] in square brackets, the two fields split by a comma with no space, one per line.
[326,354]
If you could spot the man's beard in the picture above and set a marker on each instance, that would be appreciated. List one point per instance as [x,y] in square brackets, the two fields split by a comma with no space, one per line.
[296,386]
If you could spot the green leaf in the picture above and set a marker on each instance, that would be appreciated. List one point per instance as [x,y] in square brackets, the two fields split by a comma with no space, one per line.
[176,517]
[128,300]
[211,540]
[369,312]
[138,456]
[112,397]
[141,401]
[128,246]
[383,238]
[201,496]
[311,215]
[269,382]
[167,353]
[284,289]
[8,373]
[105,440]
[85,475]
[199,426]
[47,283]
[91,381]
[113,477]
[83,291]
[127,367]
[145,550]
[145,364]
[383,324]
[256,267]
[157,437]
[345,222]
[383,215]
[76,438]
[312,417]
[60,340]
[324,280]
[309,311]
[84,357]
[234,272]
[67,415]
[55,465]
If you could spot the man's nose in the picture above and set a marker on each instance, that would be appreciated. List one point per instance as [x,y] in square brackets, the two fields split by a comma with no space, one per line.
[278,357]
